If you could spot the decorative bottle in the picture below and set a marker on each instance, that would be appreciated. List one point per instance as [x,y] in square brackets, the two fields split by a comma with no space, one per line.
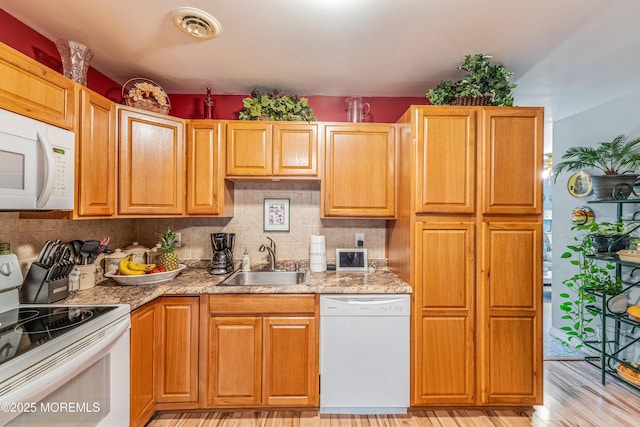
[246,261]
[208,105]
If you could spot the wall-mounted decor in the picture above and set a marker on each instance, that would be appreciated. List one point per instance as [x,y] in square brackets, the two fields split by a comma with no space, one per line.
[579,184]
[582,215]
[276,215]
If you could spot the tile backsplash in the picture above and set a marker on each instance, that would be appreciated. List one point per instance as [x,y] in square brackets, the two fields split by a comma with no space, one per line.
[26,236]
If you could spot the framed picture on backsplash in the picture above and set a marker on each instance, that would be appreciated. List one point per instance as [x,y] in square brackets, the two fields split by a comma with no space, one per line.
[276,215]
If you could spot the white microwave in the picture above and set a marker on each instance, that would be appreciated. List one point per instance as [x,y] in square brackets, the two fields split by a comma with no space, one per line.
[36,165]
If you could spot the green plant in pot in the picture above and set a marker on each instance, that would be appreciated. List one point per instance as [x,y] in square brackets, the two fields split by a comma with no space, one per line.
[483,84]
[607,237]
[618,160]
[276,106]
[592,276]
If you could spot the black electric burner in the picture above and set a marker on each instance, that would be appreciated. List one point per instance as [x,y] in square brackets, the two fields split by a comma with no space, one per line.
[36,325]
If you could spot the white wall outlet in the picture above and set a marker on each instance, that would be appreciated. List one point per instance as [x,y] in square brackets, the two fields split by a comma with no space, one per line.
[178,239]
[359,240]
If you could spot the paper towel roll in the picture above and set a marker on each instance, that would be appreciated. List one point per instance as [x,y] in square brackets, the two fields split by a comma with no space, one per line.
[317,254]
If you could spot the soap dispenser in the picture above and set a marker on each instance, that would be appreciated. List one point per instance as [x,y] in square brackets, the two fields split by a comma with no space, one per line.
[246,261]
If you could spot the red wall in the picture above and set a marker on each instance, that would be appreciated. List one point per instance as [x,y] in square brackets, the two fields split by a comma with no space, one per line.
[326,108]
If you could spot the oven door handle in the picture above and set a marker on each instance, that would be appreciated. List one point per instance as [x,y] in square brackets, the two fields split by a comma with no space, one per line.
[37,382]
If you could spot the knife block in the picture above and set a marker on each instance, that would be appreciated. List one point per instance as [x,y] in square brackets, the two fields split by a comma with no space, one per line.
[37,290]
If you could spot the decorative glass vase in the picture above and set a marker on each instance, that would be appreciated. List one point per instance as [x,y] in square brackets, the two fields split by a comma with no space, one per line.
[75,60]
[208,105]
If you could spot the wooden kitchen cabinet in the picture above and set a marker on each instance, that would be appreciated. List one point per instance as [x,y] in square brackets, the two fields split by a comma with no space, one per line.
[208,193]
[143,358]
[95,156]
[468,239]
[177,340]
[510,330]
[290,376]
[151,163]
[444,372]
[512,153]
[262,351]
[446,171]
[267,149]
[359,177]
[29,88]
[235,361]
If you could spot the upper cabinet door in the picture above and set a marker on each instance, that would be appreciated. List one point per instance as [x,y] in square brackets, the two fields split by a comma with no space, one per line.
[249,148]
[208,193]
[96,156]
[152,158]
[512,160]
[359,171]
[33,90]
[295,149]
[445,160]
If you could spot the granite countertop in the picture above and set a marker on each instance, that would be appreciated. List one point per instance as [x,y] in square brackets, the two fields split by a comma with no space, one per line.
[197,281]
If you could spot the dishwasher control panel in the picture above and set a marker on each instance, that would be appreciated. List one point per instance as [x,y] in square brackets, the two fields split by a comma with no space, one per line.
[365,305]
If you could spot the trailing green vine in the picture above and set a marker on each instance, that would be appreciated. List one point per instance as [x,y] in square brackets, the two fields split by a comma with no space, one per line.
[593,276]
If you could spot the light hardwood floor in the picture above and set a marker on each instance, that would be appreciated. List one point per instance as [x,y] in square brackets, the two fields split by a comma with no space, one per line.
[573,396]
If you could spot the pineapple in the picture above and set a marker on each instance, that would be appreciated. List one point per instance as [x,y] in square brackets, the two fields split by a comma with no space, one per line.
[168,259]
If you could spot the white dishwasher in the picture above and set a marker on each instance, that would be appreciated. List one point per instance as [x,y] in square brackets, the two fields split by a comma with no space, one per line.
[364,354]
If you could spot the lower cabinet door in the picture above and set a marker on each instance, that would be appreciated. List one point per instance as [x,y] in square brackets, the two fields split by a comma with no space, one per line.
[444,353]
[177,361]
[235,361]
[142,404]
[290,376]
[510,337]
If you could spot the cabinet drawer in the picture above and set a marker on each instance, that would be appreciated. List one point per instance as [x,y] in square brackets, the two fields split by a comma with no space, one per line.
[263,304]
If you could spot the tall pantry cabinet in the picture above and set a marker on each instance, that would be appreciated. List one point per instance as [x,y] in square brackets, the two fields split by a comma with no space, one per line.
[468,238]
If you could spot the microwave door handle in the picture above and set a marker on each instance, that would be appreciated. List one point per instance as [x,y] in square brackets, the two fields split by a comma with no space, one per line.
[50,171]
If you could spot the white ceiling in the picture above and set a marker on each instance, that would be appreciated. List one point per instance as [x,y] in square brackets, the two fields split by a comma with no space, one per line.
[566,55]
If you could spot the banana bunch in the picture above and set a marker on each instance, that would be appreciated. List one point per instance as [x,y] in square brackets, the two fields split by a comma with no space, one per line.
[130,268]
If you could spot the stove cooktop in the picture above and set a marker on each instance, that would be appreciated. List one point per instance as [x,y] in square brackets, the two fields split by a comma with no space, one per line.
[25,328]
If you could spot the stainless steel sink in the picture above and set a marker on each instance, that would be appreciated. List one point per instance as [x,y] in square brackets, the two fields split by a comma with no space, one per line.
[267,278]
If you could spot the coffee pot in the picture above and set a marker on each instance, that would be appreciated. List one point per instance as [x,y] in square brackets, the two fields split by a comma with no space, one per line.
[222,246]
[356,109]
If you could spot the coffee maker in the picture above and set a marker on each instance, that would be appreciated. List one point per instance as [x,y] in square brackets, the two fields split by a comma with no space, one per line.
[222,246]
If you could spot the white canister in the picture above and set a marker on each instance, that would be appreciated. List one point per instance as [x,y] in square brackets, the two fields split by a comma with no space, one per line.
[318,254]
[154,253]
[87,275]
[138,253]
[112,260]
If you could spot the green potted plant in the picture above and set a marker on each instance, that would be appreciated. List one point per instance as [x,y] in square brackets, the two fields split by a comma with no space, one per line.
[483,84]
[618,160]
[276,106]
[593,276]
[607,237]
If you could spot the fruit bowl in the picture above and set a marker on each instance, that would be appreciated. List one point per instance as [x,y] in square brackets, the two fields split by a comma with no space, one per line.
[146,279]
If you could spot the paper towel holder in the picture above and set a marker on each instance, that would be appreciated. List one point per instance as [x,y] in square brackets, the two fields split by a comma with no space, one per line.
[351,259]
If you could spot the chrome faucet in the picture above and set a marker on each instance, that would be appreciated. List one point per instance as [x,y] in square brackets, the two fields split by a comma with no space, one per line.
[272,253]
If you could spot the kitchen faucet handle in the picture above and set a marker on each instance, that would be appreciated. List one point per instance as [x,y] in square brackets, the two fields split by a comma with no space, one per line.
[272,244]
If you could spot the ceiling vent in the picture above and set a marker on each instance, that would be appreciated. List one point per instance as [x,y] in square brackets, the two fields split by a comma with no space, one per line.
[196,23]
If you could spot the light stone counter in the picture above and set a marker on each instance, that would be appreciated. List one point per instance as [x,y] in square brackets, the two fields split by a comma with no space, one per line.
[197,281]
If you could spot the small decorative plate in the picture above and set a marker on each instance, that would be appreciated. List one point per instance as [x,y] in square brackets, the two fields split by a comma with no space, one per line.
[582,215]
[146,279]
[579,184]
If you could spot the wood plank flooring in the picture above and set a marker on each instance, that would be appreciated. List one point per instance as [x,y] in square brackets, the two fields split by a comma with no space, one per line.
[573,397]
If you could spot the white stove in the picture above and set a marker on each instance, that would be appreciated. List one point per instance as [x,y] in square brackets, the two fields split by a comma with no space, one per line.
[61,364]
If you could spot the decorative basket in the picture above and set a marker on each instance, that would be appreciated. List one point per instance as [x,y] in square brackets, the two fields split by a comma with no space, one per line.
[472,100]
[145,94]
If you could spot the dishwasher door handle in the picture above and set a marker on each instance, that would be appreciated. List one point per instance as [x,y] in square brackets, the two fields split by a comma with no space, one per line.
[362,300]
